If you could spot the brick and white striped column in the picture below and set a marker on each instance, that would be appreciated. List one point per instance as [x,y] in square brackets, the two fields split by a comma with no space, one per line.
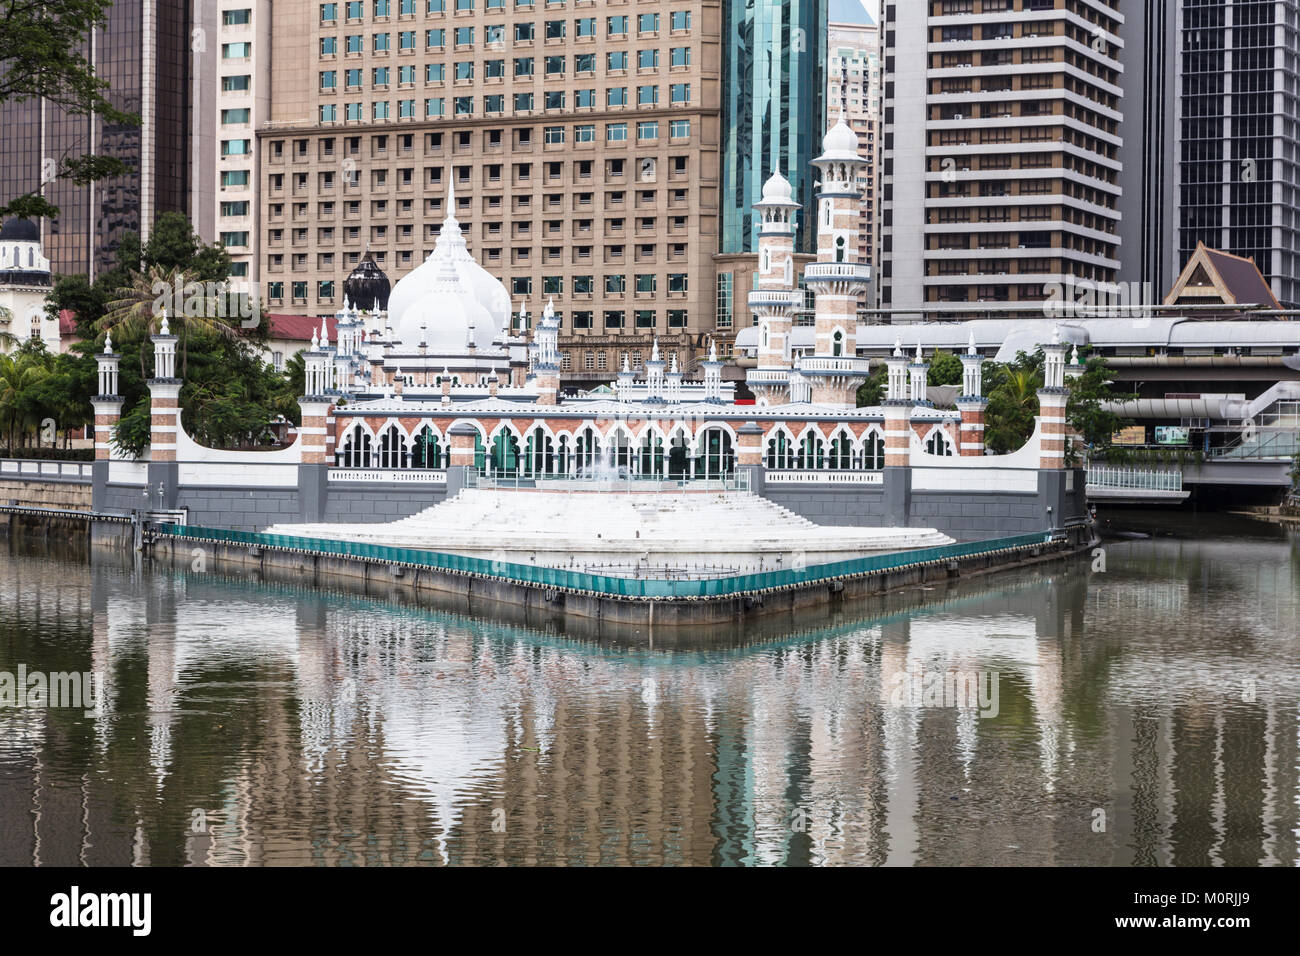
[164,398]
[314,430]
[462,445]
[1052,399]
[971,403]
[107,403]
[898,412]
[749,445]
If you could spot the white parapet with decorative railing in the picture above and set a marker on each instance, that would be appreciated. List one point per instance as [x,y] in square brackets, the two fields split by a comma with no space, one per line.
[40,468]
[830,477]
[416,476]
[1121,478]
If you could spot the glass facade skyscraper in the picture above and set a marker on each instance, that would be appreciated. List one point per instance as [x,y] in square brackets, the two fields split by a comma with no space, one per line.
[143,52]
[1239,175]
[773,108]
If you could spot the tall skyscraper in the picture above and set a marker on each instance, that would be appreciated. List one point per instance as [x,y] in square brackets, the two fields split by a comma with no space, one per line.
[1149,155]
[1238,125]
[1000,169]
[581,140]
[853,90]
[143,52]
[773,120]
[231,99]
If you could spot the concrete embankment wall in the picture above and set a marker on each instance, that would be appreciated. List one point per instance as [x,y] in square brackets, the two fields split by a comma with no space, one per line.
[470,590]
[252,509]
[964,516]
[45,493]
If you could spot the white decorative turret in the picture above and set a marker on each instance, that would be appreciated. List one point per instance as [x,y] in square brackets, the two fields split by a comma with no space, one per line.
[972,403]
[713,376]
[918,373]
[837,278]
[775,298]
[654,375]
[625,381]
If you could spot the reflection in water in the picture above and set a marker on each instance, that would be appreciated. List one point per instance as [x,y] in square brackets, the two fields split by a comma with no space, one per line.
[306,726]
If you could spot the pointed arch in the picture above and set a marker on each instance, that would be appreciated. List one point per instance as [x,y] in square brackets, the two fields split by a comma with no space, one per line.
[873,448]
[939,442]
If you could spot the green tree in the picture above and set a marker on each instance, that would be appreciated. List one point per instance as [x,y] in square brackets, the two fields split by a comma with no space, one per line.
[43,46]
[1084,411]
[872,391]
[945,369]
[1012,392]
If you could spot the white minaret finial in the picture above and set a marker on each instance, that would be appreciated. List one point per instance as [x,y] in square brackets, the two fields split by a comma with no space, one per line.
[1056,335]
[654,353]
[626,366]
[324,333]
[315,341]
[347,306]
[108,343]
[898,347]
[970,348]
[165,330]
[919,355]
[713,351]
[673,367]
[451,197]
[1075,359]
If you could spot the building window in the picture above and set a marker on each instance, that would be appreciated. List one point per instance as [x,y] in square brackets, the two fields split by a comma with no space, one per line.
[676,318]
[553,135]
[645,319]
[681,20]
[679,128]
[649,130]
[614,319]
[615,132]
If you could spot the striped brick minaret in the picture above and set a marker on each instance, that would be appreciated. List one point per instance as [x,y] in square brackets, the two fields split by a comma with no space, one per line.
[898,412]
[837,278]
[546,357]
[164,397]
[774,299]
[316,402]
[107,403]
[971,403]
[1051,404]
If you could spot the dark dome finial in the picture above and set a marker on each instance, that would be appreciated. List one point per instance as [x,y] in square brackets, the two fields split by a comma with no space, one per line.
[367,287]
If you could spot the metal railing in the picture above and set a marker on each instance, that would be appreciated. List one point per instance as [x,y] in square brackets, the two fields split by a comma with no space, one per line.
[1134,479]
[605,585]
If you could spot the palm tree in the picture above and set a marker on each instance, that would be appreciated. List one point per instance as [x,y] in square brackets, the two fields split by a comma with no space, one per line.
[141,306]
[19,374]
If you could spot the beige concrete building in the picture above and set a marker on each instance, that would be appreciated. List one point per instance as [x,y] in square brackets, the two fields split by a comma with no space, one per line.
[1000,170]
[853,89]
[581,138]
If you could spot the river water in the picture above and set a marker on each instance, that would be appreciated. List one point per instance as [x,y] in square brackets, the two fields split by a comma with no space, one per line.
[1137,707]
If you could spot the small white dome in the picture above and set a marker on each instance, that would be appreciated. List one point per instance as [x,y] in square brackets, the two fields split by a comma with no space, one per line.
[840,138]
[778,189]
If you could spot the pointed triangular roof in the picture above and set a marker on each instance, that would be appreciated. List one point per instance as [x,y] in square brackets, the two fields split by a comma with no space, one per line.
[1212,275]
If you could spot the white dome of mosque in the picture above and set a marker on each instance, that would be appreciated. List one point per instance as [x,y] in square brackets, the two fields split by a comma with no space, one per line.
[445,313]
[778,189]
[840,142]
[492,315]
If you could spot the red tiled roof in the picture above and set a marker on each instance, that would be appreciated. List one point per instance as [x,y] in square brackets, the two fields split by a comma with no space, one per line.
[298,328]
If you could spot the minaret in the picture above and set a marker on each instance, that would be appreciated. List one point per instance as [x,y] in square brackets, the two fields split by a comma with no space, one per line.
[918,378]
[107,403]
[898,411]
[775,298]
[713,376]
[546,361]
[972,403]
[1051,403]
[837,278]
[654,376]
[625,382]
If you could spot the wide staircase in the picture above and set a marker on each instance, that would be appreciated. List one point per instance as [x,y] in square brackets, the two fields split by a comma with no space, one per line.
[731,529]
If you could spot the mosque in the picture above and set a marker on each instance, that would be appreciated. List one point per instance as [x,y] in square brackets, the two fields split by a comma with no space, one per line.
[418,391]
